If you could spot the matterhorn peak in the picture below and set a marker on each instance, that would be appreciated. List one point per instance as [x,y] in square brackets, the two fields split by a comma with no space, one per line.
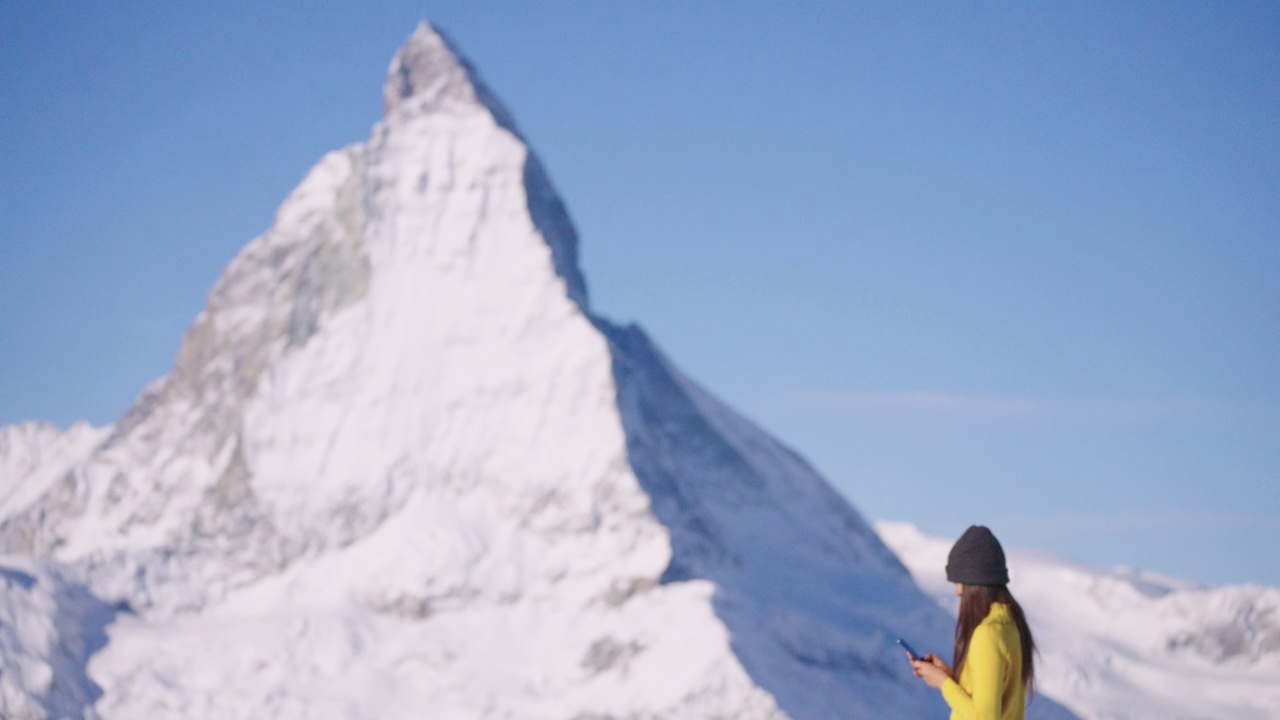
[426,69]
[429,75]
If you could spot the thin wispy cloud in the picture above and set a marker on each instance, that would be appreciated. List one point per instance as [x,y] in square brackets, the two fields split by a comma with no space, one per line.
[961,405]
[923,401]
[1124,521]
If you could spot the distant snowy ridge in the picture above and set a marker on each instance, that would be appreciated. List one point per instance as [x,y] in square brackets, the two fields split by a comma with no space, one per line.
[36,455]
[1124,644]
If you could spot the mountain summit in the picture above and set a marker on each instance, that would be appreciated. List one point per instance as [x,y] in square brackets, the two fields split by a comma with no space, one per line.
[399,469]
[428,73]
[428,76]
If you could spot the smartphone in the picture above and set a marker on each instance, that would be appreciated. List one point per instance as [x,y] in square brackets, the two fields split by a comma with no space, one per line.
[910,650]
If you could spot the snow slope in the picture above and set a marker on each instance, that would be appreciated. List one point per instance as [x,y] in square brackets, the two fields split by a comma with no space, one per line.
[1123,644]
[399,470]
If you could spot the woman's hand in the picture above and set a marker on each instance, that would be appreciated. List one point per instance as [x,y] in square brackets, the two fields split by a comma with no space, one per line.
[932,670]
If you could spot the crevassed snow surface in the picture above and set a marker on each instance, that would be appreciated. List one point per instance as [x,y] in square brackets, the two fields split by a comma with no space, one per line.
[1122,644]
[399,470]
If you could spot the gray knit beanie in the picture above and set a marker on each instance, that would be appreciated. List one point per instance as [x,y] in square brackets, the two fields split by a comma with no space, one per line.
[977,559]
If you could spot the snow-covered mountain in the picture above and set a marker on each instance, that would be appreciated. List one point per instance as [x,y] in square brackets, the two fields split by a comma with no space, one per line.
[1126,645]
[399,469]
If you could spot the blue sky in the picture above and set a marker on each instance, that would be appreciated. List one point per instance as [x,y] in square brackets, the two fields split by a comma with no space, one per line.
[977,263]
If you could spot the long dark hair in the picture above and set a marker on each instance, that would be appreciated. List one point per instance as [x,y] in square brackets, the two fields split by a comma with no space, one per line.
[975,604]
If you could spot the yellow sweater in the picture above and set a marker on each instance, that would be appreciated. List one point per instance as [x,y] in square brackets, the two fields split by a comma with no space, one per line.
[990,686]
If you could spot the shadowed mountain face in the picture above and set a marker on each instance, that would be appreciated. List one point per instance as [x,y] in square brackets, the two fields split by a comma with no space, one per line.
[397,449]
[814,602]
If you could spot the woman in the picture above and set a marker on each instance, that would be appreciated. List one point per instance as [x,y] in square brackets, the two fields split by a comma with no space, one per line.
[993,655]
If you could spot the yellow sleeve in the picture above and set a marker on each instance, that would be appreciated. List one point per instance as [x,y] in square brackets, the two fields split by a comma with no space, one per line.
[985,666]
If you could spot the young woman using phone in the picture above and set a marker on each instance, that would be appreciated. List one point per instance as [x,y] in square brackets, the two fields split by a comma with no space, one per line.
[993,660]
